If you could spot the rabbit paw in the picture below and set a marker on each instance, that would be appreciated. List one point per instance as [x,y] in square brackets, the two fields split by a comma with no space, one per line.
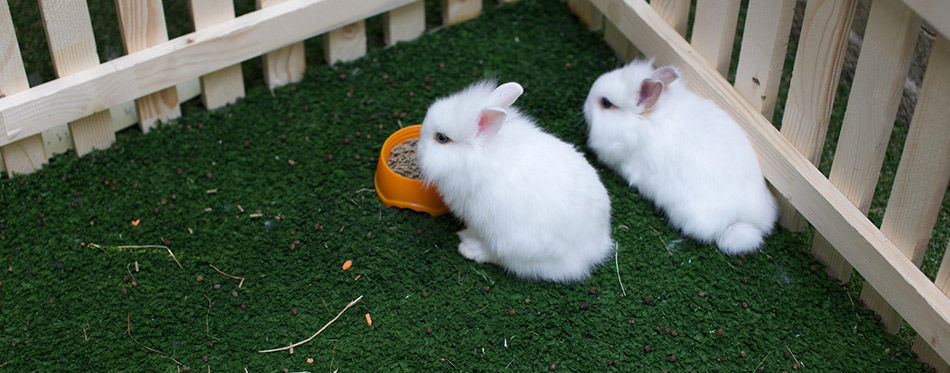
[471,247]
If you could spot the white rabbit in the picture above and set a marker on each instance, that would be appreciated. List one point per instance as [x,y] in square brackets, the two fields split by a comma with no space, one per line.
[532,204]
[682,152]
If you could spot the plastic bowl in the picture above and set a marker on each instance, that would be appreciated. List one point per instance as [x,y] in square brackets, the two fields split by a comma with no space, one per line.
[401,191]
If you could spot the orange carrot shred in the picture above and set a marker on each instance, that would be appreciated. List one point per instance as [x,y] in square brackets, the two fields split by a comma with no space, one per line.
[369,321]
[347,264]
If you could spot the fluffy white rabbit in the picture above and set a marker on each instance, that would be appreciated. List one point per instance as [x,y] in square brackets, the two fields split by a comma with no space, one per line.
[682,152]
[531,203]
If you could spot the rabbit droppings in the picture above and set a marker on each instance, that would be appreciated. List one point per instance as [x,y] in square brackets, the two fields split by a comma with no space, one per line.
[531,203]
[682,152]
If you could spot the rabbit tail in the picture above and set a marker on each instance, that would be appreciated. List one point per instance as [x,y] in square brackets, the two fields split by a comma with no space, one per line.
[740,238]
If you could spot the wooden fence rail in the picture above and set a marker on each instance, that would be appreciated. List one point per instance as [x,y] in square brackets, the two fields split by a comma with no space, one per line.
[888,257]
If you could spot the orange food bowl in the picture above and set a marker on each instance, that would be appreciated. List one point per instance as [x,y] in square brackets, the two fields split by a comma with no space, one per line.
[400,191]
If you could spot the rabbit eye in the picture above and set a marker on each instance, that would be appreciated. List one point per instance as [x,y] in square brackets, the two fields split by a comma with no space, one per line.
[442,139]
[606,104]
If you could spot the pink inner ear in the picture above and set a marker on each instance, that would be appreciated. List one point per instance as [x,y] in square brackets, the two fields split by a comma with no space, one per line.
[489,121]
[649,93]
[666,74]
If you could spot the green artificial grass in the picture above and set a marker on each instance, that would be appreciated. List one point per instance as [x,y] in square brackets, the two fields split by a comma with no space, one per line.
[304,158]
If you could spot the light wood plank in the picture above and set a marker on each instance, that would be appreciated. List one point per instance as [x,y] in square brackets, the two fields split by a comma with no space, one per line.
[762,54]
[404,23]
[924,352]
[623,48]
[285,65]
[714,31]
[12,75]
[45,106]
[675,12]
[73,48]
[936,12]
[922,176]
[587,13]
[142,25]
[346,43]
[455,11]
[29,154]
[879,77]
[811,93]
[915,297]
[226,85]
[92,132]
[24,156]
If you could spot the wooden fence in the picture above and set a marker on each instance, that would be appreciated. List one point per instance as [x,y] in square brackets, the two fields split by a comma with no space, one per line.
[889,257]
[147,84]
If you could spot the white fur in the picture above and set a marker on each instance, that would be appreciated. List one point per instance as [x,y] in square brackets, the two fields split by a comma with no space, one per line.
[532,203]
[686,155]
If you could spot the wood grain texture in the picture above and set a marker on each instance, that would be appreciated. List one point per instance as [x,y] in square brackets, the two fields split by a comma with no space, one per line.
[762,54]
[811,92]
[915,297]
[346,43]
[285,65]
[224,86]
[29,154]
[924,352]
[12,75]
[714,31]
[142,25]
[587,13]
[73,48]
[92,132]
[879,78]
[404,23]
[24,156]
[623,48]
[922,175]
[455,11]
[675,12]
[936,12]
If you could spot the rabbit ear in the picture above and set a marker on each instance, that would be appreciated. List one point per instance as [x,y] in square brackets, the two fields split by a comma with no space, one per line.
[505,95]
[650,90]
[490,121]
[666,74]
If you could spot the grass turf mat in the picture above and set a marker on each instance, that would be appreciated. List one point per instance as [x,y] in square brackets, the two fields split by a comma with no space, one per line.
[303,159]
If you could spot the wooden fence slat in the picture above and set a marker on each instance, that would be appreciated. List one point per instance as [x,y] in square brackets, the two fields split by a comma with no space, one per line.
[226,85]
[404,23]
[142,25]
[346,43]
[455,11]
[811,93]
[285,65]
[762,54]
[29,154]
[714,31]
[922,175]
[879,77]
[936,12]
[675,12]
[914,296]
[73,48]
[587,13]
[924,352]
[623,48]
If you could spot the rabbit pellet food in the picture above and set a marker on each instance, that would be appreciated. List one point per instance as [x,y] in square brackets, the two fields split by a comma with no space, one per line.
[402,160]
